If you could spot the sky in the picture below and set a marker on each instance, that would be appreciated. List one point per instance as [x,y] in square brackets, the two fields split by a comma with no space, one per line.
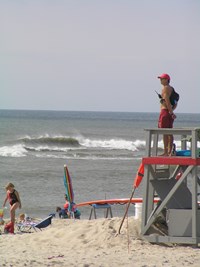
[98,55]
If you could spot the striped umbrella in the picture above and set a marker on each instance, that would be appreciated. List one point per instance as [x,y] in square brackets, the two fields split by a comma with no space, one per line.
[68,185]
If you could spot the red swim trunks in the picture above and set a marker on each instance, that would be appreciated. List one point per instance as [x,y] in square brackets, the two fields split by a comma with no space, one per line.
[165,119]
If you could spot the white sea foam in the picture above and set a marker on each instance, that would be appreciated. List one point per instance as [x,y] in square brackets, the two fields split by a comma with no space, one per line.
[49,148]
[15,151]
[78,157]
[113,144]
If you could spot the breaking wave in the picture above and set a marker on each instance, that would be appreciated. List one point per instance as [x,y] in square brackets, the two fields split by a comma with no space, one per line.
[48,140]
[63,146]
[62,143]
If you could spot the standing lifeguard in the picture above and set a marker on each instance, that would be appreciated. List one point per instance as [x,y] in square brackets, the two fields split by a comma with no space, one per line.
[167,116]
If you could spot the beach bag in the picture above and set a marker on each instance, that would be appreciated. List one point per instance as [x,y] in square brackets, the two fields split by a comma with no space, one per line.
[174,97]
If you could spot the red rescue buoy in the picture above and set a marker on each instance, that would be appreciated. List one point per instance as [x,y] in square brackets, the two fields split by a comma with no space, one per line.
[139,176]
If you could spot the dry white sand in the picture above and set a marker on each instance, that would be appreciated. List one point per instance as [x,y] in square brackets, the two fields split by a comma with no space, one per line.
[91,243]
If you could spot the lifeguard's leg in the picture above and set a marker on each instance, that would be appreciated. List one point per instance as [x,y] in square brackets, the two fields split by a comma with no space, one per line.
[165,141]
[170,144]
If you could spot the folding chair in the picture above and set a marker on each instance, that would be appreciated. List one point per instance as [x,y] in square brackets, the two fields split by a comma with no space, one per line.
[44,223]
[28,225]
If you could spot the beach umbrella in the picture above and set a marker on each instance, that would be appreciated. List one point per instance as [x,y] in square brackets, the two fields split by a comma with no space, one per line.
[136,183]
[68,185]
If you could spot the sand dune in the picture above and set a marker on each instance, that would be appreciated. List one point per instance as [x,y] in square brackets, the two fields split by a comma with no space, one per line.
[91,243]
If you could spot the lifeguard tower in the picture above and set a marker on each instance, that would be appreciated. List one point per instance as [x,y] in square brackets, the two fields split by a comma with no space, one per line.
[178,193]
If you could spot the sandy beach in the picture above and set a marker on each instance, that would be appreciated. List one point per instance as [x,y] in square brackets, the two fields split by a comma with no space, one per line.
[91,243]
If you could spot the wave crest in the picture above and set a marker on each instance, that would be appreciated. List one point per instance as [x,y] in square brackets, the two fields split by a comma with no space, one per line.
[75,147]
[48,140]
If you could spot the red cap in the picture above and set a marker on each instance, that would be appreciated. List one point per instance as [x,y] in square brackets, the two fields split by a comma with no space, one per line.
[164,76]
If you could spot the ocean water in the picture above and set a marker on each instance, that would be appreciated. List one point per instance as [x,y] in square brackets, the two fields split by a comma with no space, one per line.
[101,149]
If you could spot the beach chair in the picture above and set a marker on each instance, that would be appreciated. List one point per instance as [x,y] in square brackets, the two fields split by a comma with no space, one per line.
[27,226]
[44,223]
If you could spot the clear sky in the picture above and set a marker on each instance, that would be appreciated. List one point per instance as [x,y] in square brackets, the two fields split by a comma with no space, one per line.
[98,55]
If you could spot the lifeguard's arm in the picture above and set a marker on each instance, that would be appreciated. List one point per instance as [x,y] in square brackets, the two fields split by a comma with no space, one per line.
[19,200]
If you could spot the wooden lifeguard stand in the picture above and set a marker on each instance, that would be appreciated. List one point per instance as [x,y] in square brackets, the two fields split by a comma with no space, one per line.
[178,198]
